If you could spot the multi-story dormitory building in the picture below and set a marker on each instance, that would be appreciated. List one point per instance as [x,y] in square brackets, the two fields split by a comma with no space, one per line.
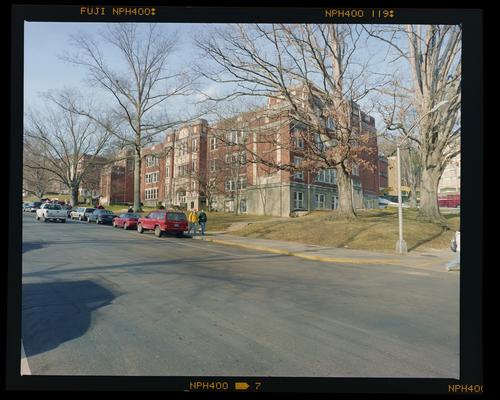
[228,165]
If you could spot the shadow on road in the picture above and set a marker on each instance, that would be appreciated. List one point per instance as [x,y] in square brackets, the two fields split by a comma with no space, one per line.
[56,312]
[27,246]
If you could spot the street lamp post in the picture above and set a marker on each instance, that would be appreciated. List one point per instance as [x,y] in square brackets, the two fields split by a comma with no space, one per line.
[401,247]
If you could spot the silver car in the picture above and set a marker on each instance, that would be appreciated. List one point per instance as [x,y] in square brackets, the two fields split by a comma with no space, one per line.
[79,213]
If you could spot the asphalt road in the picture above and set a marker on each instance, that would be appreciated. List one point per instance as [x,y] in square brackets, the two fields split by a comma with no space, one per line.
[103,301]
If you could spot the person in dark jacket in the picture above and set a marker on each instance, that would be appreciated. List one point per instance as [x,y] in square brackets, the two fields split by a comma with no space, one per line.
[202,220]
[130,210]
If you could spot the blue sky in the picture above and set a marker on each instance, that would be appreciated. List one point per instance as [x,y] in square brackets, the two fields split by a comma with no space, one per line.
[45,42]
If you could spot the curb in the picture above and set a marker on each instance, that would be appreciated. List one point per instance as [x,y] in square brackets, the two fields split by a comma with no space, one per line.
[308,256]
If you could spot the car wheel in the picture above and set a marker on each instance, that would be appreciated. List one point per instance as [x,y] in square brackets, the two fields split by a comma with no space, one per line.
[139,228]
[80,218]
[179,234]
[63,221]
[37,218]
[125,226]
[44,219]
[88,220]
[157,231]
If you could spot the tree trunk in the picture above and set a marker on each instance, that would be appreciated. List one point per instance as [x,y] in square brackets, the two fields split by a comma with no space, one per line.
[74,196]
[429,209]
[413,195]
[137,182]
[344,184]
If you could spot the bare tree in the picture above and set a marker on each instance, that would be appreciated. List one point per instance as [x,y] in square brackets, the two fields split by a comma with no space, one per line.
[63,144]
[36,181]
[312,71]
[433,55]
[140,93]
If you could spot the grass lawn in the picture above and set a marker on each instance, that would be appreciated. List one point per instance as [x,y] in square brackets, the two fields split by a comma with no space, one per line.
[375,230]
[220,221]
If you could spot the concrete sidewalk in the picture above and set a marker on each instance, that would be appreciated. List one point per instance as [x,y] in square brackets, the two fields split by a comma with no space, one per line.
[432,260]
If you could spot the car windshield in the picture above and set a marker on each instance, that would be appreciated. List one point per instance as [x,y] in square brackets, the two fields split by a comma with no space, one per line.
[107,212]
[176,216]
[53,207]
[131,215]
[89,210]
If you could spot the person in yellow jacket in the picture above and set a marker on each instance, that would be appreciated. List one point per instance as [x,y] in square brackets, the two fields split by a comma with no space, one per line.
[193,221]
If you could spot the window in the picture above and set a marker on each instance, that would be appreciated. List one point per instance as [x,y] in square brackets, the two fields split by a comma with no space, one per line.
[151,194]
[242,182]
[193,186]
[243,158]
[182,170]
[355,169]
[326,176]
[193,166]
[182,149]
[213,143]
[152,161]
[318,142]
[230,185]
[319,200]
[212,165]
[298,200]
[296,162]
[152,177]
[335,202]
[330,123]
[243,205]
[298,139]
[194,145]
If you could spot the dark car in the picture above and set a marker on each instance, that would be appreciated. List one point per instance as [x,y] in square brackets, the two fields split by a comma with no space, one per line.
[101,217]
[162,221]
[32,207]
[127,220]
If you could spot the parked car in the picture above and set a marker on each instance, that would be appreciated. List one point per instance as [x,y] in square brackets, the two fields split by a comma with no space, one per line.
[87,213]
[127,220]
[450,200]
[33,206]
[26,206]
[68,209]
[49,212]
[101,217]
[384,203]
[80,213]
[162,221]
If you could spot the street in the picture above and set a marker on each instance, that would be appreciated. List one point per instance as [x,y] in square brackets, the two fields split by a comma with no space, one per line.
[104,301]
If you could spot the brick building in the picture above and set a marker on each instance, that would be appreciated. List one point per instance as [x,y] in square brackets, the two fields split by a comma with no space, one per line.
[383,172]
[117,180]
[223,167]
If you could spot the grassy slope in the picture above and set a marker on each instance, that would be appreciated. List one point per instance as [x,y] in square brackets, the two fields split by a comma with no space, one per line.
[374,230]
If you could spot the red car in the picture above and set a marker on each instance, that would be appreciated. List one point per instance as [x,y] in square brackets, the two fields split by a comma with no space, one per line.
[127,220]
[163,221]
[451,201]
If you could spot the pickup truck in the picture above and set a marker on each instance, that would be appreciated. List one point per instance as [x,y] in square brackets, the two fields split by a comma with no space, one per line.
[51,211]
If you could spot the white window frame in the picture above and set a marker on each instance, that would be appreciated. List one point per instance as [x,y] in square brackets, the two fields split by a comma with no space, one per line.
[213,143]
[299,174]
[298,203]
[319,204]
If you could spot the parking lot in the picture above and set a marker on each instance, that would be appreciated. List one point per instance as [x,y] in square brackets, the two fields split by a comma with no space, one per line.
[104,301]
